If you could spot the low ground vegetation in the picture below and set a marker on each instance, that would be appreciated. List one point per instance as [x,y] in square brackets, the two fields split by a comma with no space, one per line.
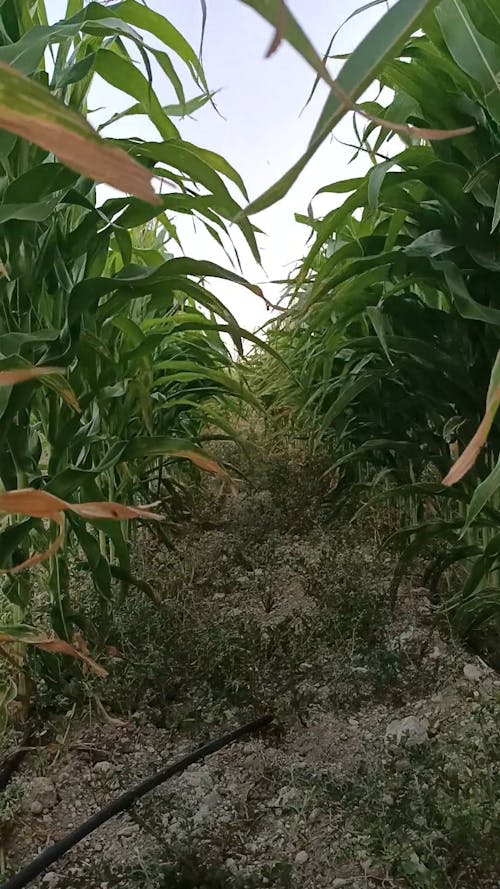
[383,763]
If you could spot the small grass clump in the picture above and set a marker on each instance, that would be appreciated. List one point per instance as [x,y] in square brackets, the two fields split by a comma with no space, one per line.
[195,874]
[431,814]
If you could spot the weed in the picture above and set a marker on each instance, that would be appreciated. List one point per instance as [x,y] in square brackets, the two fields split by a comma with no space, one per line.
[432,814]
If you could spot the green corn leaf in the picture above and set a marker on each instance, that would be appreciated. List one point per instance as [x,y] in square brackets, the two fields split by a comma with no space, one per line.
[359,71]
[462,300]
[98,565]
[482,494]
[496,211]
[37,183]
[13,537]
[476,54]
[432,243]
[141,16]
[126,77]
[164,446]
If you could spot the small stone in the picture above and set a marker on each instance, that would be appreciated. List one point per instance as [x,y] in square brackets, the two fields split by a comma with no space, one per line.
[436,653]
[473,673]
[212,800]
[103,767]
[301,857]
[410,731]
[40,796]
[128,830]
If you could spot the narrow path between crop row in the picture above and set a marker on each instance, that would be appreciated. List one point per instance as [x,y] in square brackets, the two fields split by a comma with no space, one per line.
[379,769]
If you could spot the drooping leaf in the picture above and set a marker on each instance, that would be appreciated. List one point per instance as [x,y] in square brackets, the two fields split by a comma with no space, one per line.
[484,492]
[475,53]
[30,636]
[386,37]
[40,118]
[467,460]
[22,375]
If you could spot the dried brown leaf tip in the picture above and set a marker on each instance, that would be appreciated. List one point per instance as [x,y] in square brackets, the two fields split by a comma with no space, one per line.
[25,374]
[43,505]
[38,117]
[468,458]
[28,636]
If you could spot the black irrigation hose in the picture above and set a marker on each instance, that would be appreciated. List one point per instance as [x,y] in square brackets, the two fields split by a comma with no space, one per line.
[125,801]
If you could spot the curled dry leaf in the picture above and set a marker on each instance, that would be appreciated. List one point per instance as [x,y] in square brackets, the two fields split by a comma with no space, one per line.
[56,646]
[37,558]
[64,390]
[101,509]
[24,374]
[206,464]
[468,458]
[43,505]
[28,501]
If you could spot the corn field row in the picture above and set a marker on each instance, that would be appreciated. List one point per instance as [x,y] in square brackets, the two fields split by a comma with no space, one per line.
[391,336]
[116,357]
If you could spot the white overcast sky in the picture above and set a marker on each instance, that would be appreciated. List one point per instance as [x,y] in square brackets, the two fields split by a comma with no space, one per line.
[260,132]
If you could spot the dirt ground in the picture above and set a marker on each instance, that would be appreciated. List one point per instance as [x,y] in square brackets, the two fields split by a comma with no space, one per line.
[382,765]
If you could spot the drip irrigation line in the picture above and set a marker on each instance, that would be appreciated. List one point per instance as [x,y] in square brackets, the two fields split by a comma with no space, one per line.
[126,801]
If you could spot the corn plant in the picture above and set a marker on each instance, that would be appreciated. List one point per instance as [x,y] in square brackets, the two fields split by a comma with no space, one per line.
[393,332]
[112,362]
[114,346]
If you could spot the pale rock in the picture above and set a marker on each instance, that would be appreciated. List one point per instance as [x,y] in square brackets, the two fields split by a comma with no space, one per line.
[301,857]
[40,796]
[436,653]
[407,635]
[103,767]
[410,731]
[473,673]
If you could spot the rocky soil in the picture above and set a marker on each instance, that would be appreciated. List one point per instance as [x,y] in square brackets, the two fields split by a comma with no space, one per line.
[382,767]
